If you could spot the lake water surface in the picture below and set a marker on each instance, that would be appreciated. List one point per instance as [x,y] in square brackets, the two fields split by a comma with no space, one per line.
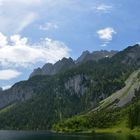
[22,135]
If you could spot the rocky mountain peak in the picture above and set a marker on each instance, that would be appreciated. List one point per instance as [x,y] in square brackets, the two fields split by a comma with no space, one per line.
[82,57]
[95,55]
[47,68]
[64,61]
[37,71]
[51,69]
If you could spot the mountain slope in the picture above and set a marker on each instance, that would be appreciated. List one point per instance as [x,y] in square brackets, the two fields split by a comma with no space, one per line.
[43,100]
[121,120]
[120,112]
[124,95]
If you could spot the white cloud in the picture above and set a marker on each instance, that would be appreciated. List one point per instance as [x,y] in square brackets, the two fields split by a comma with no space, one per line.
[48,26]
[18,41]
[106,34]
[9,74]
[3,40]
[6,87]
[19,53]
[103,8]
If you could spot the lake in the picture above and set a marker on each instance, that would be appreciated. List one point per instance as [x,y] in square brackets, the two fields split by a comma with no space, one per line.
[25,135]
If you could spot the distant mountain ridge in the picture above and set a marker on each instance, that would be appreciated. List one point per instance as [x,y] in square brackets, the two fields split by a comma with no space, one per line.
[52,69]
[68,63]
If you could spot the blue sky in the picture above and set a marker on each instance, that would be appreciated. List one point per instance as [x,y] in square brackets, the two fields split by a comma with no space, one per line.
[35,32]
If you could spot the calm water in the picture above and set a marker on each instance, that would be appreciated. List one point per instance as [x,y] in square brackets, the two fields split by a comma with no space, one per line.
[14,135]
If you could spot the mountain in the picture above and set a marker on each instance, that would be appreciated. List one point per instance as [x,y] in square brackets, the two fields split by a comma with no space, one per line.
[68,63]
[70,89]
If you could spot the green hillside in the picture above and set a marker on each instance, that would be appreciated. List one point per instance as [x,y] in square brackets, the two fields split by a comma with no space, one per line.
[78,90]
[126,119]
[107,117]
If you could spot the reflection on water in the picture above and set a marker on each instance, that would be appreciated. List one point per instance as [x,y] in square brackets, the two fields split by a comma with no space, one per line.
[21,135]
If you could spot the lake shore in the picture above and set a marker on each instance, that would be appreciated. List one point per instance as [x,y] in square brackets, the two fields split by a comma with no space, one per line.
[125,130]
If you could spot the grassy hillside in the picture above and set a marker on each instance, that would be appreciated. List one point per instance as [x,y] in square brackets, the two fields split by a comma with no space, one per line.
[126,119]
[108,117]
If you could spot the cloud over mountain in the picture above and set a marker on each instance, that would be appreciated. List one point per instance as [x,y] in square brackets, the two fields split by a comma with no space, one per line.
[106,34]
[9,74]
[16,51]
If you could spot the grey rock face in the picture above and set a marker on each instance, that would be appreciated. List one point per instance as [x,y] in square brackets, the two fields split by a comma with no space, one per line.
[14,95]
[77,84]
[47,69]
[21,92]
